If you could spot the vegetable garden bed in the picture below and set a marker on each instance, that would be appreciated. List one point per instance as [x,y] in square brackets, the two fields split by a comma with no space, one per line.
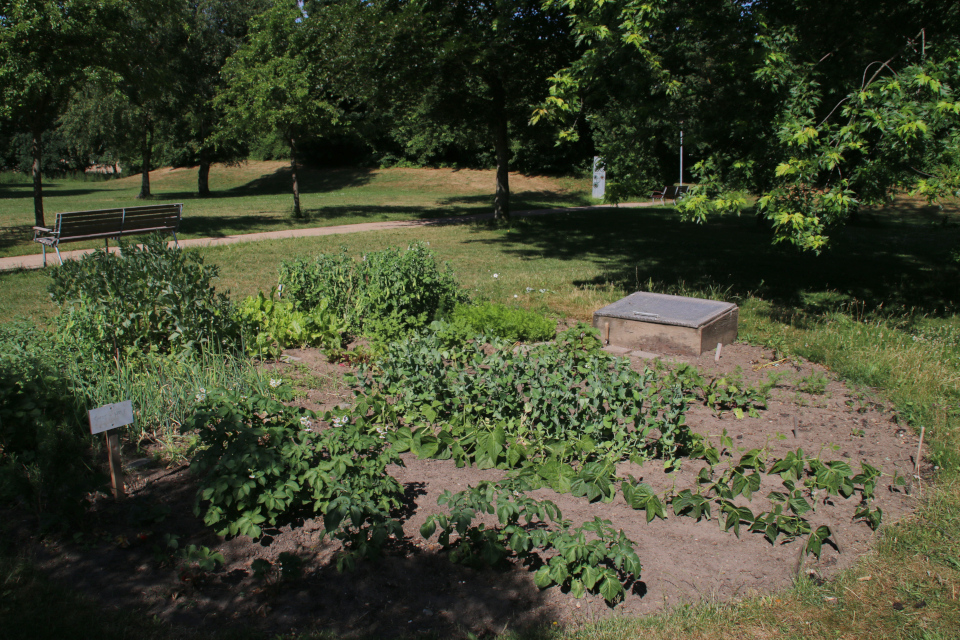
[414,587]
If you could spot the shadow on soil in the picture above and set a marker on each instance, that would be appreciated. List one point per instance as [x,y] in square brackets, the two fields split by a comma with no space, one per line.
[901,258]
[410,591]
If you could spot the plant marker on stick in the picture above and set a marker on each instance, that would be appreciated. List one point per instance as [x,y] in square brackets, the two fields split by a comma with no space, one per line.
[109,417]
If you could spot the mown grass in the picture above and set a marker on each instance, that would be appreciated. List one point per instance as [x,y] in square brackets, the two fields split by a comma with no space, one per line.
[879,309]
[256,197]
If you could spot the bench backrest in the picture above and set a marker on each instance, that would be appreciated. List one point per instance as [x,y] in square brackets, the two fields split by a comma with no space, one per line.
[114,222]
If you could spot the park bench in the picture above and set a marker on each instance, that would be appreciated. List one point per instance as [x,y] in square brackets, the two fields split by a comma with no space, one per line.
[672,192]
[76,226]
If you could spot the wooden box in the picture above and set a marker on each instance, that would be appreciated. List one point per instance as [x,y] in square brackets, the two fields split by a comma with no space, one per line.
[667,324]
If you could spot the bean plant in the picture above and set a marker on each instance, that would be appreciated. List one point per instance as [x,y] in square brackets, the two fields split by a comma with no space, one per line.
[489,404]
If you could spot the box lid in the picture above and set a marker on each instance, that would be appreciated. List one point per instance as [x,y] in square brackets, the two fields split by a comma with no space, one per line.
[659,308]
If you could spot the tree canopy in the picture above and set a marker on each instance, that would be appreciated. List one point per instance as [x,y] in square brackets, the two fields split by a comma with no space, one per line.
[812,109]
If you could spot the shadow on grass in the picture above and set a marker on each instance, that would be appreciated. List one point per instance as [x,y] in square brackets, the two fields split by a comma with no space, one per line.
[524,200]
[50,189]
[894,258]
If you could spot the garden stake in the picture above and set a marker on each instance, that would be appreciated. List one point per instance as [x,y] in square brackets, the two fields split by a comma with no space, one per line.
[116,468]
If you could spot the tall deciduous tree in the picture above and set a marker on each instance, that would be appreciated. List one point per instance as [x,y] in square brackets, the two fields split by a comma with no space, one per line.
[215,30]
[152,41]
[823,106]
[477,64]
[282,80]
[45,50]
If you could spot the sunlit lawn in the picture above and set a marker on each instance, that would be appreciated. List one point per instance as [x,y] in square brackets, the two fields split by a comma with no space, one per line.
[257,197]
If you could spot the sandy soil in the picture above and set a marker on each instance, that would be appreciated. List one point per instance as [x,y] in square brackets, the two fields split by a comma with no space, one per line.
[414,588]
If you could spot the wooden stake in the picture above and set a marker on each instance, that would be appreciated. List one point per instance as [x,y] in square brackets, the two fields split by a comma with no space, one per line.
[116,468]
[716,356]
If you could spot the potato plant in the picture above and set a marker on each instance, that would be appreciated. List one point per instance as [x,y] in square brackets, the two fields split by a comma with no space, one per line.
[590,558]
[260,465]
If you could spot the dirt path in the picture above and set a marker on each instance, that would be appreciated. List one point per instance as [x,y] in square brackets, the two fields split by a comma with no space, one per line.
[35,261]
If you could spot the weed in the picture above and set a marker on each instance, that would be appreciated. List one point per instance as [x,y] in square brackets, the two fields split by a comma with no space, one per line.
[814,384]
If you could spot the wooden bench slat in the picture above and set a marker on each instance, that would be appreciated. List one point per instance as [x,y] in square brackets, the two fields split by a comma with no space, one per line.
[76,226]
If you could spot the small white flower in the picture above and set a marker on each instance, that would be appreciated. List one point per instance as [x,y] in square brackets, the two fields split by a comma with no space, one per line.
[383,432]
[515,295]
[543,290]
[305,422]
[496,275]
[275,382]
[201,395]
[529,289]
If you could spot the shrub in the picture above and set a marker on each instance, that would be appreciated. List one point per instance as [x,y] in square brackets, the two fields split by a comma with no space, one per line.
[143,298]
[269,326]
[385,293]
[261,464]
[499,321]
[45,444]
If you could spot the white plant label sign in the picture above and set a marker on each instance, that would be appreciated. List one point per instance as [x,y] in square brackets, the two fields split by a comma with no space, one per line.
[599,178]
[111,416]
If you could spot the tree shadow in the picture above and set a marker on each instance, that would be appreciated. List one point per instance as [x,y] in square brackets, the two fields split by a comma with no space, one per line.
[521,200]
[887,258]
[50,189]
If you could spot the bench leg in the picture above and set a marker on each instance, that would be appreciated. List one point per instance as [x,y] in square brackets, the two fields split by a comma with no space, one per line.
[175,241]
[44,247]
[57,247]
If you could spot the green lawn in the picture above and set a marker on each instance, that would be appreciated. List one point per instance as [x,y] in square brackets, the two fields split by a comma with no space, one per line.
[878,308]
[257,197]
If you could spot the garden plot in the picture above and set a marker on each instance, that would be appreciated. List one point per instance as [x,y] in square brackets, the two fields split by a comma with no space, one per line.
[414,586]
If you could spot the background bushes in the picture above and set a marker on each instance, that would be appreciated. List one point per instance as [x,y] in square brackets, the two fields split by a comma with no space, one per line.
[148,297]
[385,293]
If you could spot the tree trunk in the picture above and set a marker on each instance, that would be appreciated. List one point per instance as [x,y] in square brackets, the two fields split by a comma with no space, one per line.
[203,174]
[37,179]
[501,143]
[296,184]
[147,149]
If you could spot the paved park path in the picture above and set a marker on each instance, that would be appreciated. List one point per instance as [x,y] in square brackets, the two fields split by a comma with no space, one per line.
[35,261]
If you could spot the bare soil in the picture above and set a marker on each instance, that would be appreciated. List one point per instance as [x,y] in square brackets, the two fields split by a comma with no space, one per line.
[415,589]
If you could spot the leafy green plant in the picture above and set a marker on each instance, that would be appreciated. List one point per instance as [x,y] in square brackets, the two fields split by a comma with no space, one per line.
[270,325]
[590,558]
[814,384]
[480,546]
[591,564]
[385,293]
[581,340]
[47,455]
[498,407]
[260,464]
[143,298]
[731,393]
[500,321]
[802,479]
